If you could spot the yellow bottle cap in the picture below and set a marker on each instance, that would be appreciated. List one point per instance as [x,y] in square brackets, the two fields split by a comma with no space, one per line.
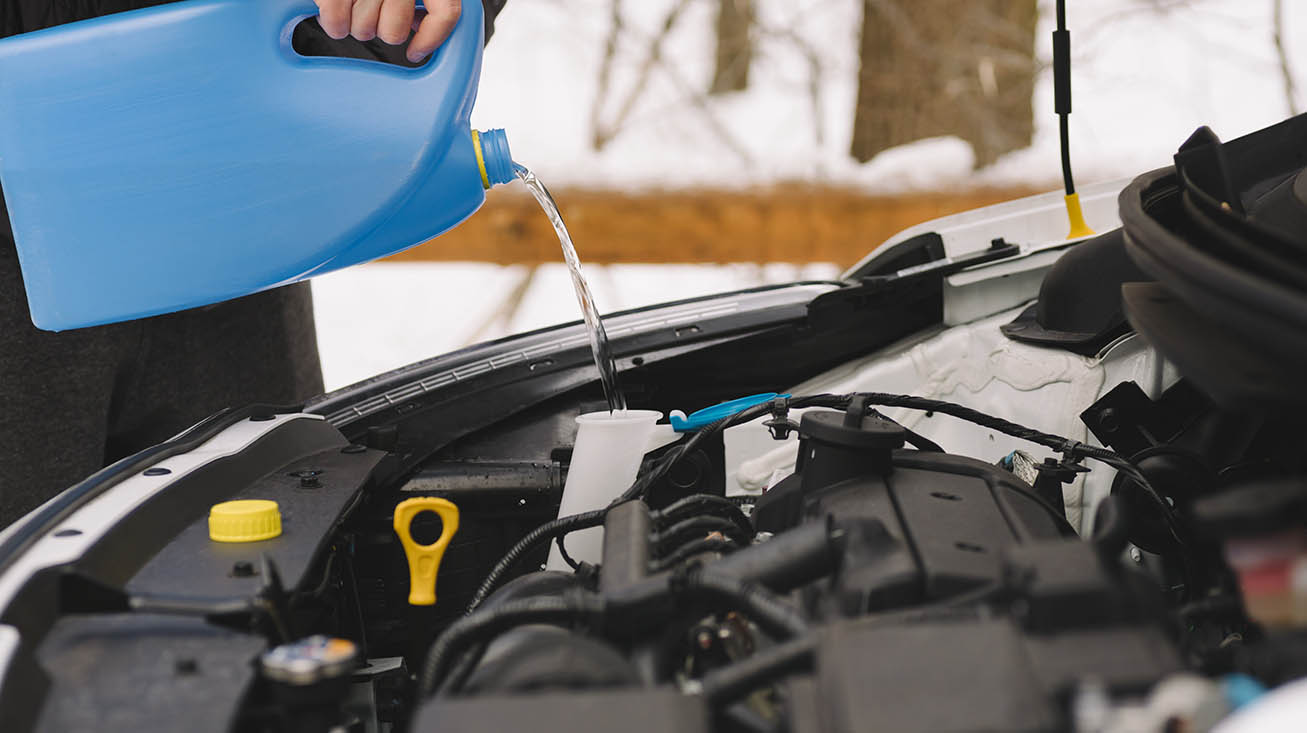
[424,560]
[244,520]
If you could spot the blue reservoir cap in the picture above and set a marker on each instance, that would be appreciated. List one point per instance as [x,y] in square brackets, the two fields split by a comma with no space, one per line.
[709,415]
[496,157]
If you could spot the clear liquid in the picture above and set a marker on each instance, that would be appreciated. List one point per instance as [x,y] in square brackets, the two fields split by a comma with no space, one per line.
[603,354]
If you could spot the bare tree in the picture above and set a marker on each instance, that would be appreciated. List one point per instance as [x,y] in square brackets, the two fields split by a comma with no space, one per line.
[735,23]
[604,132]
[940,67]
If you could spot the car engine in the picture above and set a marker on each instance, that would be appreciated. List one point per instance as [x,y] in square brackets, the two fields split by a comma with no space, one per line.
[870,580]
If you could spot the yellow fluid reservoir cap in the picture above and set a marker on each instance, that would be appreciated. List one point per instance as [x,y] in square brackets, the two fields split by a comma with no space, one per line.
[244,520]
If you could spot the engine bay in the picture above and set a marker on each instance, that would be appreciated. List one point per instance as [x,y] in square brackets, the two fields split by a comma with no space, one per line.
[848,556]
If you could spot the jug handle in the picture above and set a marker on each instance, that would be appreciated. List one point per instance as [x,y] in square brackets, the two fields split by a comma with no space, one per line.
[290,13]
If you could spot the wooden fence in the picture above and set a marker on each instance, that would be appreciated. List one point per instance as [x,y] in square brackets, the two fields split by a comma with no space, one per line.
[783,224]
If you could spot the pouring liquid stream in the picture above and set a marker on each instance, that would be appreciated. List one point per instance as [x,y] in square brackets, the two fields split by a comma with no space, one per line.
[603,354]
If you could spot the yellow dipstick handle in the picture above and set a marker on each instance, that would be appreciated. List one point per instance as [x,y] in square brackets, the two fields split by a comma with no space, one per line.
[424,560]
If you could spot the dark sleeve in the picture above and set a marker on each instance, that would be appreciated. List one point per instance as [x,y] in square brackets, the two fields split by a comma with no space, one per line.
[24,16]
[493,7]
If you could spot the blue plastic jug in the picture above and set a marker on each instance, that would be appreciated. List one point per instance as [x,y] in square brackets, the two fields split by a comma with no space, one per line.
[181,155]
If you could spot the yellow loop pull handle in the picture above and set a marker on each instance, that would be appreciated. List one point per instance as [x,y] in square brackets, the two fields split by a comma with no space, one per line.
[424,560]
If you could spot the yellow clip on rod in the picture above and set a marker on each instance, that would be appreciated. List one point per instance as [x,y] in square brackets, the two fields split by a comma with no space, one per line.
[424,560]
[1079,228]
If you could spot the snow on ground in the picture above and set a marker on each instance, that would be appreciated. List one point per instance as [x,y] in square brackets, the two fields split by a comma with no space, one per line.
[1146,73]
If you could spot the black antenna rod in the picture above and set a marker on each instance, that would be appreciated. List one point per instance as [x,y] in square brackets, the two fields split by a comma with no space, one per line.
[1062,105]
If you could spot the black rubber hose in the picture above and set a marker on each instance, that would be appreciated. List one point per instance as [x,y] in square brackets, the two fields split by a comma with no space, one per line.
[543,533]
[563,553]
[728,684]
[560,610]
[1111,527]
[550,583]
[772,614]
[698,504]
[698,528]
[690,549]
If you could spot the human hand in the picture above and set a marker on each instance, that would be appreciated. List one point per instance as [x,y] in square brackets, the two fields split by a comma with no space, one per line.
[391,21]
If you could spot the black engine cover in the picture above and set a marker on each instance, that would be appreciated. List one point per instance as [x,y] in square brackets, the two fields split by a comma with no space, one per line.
[922,525]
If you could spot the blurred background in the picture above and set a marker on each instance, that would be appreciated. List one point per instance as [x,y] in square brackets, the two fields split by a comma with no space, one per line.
[696,146]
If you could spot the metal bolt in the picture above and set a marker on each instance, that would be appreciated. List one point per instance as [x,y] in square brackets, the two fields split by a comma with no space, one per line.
[243,569]
[1136,555]
[308,478]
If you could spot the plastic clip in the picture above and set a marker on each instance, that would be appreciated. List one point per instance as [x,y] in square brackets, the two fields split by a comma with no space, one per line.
[780,423]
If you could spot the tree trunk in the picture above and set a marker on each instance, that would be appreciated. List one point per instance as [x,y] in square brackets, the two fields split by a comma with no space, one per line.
[734,46]
[946,67]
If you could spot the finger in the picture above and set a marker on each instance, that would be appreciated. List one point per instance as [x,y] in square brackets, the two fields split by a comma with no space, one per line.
[442,15]
[363,21]
[396,20]
[333,16]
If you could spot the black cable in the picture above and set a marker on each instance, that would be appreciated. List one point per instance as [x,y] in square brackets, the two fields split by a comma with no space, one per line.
[1048,440]
[543,533]
[728,684]
[562,552]
[689,550]
[468,630]
[1064,140]
[1054,442]
[699,504]
[699,527]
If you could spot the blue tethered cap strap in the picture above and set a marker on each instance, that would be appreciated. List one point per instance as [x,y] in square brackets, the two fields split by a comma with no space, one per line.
[709,415]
